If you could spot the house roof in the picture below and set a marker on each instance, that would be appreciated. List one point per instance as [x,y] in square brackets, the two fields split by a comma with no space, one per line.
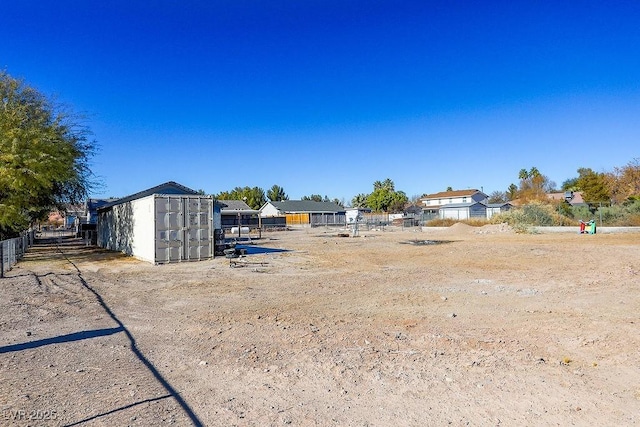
[169,187]
[94,204]
[308,206]
[467,204]
[235,206]
[498,205]
[461,205]
[448,194]
[577,197]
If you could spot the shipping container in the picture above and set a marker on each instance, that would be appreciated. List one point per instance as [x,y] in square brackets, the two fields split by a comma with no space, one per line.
[162,228]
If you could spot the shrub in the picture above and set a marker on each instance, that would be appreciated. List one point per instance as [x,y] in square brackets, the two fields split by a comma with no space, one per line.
[523,219]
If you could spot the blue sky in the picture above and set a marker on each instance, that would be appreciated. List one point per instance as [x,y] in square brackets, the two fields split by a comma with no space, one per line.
[326,97]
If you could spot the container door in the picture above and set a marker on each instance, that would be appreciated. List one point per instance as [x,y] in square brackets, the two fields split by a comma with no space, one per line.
[197,229]
[169,226]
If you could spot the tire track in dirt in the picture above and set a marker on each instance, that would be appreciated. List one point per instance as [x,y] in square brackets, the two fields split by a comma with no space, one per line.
[98,367]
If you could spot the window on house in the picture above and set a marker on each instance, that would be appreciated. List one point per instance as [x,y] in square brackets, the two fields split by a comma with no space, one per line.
[450,200]
[464,200]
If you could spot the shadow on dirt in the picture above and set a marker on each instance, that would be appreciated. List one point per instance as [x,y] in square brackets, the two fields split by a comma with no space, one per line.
[113,411]
[65,249]
[426,242]
[44,249]
[76,336]
[255,250]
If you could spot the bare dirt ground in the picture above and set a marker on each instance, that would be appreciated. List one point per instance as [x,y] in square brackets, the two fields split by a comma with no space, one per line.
[490,328]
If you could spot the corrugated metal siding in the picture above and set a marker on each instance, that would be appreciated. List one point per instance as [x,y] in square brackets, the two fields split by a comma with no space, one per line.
[161,228]
[184,228]
[115,228]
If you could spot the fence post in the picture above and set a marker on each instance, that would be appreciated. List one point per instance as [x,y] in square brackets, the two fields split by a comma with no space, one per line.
[12,254]
[1,259]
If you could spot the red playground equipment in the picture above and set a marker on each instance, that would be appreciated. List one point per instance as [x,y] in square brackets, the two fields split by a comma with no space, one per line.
[588,227]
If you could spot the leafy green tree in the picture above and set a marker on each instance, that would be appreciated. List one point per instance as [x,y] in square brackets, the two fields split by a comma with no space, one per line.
[385,198]
[593,186]
[398,202]
[277,194]
[252,196]
[360,201]
[386,184]
[315,198]
[44,156]
[319,198]
[570,184]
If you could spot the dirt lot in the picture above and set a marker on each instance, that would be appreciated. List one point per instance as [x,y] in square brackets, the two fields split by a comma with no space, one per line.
[486,328]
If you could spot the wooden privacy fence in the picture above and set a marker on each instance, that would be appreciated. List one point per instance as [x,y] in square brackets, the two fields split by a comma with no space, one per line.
[317,219]
[11,250]
[297,218]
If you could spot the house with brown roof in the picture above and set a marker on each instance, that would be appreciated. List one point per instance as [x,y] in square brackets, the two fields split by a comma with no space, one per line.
[431,203]
[460,205]
[574,198]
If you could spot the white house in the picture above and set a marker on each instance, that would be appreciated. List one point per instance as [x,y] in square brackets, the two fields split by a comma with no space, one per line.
[455,196]
[432,203]
[479,210]
[461,205]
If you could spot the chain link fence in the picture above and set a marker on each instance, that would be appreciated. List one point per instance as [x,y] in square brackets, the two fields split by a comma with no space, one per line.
[12,250]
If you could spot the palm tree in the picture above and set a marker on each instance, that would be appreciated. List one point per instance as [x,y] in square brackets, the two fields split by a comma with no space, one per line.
[523,174]
[388,184]
[360,201]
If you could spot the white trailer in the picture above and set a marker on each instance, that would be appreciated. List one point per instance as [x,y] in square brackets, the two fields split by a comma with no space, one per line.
[162,228]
